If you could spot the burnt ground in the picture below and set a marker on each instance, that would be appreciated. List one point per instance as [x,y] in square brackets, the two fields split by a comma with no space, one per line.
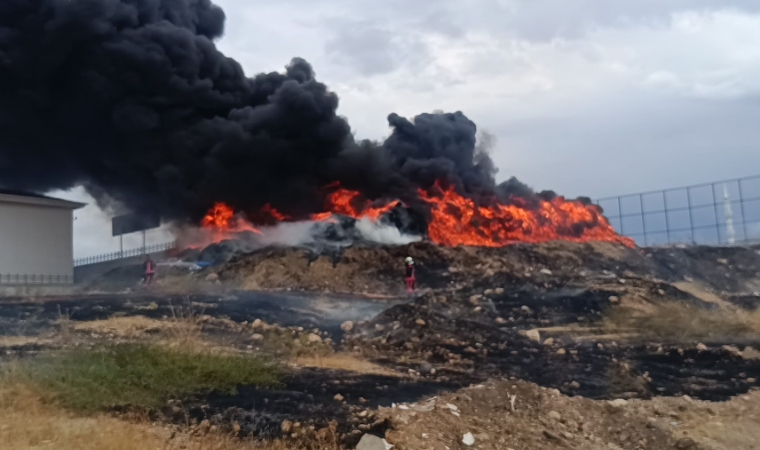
[535,313]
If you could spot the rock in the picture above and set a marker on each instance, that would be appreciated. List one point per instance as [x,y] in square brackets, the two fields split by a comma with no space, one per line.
[488,292]
[525,308]
[498,291]
[551,436]
[701,347]
[379,327]
[533,335]
[475,299]
[554,415]
[236,427]
[568,435]
[371,442]
[575,385]
[500,320]
[750,353]
[420,322]
[470,350]
[478,309]
[545,271]
[256,337]
[205,425]
[722,261]
[616,405]
[212,277]
[338,398]
[549,341]
[314,338]
[257,324]
[686,444]
[561,351]
[614,299]
[347,326]
[468,439]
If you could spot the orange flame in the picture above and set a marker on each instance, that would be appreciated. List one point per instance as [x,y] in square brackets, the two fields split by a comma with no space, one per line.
[457,220]
[349,203]
[222,223]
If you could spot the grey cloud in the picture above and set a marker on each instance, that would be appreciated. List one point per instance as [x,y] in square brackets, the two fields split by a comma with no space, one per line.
[372,50]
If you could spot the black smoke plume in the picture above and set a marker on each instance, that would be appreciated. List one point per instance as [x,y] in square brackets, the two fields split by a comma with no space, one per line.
[131,99]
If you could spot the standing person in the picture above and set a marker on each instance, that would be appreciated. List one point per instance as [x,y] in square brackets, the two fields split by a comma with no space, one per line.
[410,276]
[150,270]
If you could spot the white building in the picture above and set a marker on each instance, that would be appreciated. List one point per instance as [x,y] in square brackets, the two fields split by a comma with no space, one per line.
[36,239]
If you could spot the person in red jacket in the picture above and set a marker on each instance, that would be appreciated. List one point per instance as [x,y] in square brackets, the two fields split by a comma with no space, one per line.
[150,270]
[410,277]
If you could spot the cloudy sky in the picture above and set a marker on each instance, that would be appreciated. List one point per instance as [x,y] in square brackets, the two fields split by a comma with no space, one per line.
[585,97]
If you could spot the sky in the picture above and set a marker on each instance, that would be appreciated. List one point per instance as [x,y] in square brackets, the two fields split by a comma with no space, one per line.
[585,97]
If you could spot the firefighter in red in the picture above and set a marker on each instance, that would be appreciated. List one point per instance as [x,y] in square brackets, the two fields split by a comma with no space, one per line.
[150,270]
[410,276]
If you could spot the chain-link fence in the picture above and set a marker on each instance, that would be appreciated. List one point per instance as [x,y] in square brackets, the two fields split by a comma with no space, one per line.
[720,213]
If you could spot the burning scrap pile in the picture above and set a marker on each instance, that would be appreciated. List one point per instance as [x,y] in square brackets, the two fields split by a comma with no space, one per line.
[133,100]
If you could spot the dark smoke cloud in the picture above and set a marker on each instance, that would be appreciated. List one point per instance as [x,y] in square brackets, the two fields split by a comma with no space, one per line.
[131,99]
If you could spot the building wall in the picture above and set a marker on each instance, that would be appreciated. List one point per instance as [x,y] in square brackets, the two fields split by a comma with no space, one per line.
[36,240]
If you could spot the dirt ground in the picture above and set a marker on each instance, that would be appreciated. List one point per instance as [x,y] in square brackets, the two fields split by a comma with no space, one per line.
[558,345]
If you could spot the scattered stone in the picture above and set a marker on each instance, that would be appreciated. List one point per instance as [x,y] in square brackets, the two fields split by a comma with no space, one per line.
[701,347]
[338,398]
[686,444]
[614,299]
[568,435]
[372,442]
[205,425]
[475,299]
[420,322]
[468,439]
[561,351]
[236,427]
[616,405]
[545,271]
[750,353]
[526,309]
[498,291]
[533,335]
[212,277]
[314,339]
[500,320]
[549,341]
[478,309]
[379,327]
[347,326]
[257,324]
[551,436]
[722,261]
[470,350]
[575,385]
[554,415]
[256,337]
[488,292]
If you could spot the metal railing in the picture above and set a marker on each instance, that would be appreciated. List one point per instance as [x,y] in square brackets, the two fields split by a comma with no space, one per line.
[719,213]
[125,254]
[24,278]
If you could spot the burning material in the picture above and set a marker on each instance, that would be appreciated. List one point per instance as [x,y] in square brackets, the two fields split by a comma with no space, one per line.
[457,220]
[352,204]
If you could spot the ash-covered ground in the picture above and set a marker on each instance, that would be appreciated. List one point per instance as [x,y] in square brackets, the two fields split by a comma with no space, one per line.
[563,324]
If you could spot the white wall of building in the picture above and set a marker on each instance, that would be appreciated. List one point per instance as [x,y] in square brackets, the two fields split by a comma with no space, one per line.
[35,239]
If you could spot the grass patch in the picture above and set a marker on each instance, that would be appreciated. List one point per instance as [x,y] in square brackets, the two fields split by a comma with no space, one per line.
[139,375]
[680,322]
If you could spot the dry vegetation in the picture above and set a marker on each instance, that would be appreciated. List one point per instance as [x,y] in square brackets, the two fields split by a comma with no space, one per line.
[681,322]
[28,422]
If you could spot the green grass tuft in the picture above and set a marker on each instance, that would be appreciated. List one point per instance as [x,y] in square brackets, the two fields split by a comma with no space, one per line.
[141,375]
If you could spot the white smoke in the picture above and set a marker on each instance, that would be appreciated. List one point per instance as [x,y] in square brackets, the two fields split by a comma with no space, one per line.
[383,233]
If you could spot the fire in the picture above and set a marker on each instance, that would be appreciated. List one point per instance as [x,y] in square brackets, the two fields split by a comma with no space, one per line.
[349,203]
[221,223]
[457,220]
